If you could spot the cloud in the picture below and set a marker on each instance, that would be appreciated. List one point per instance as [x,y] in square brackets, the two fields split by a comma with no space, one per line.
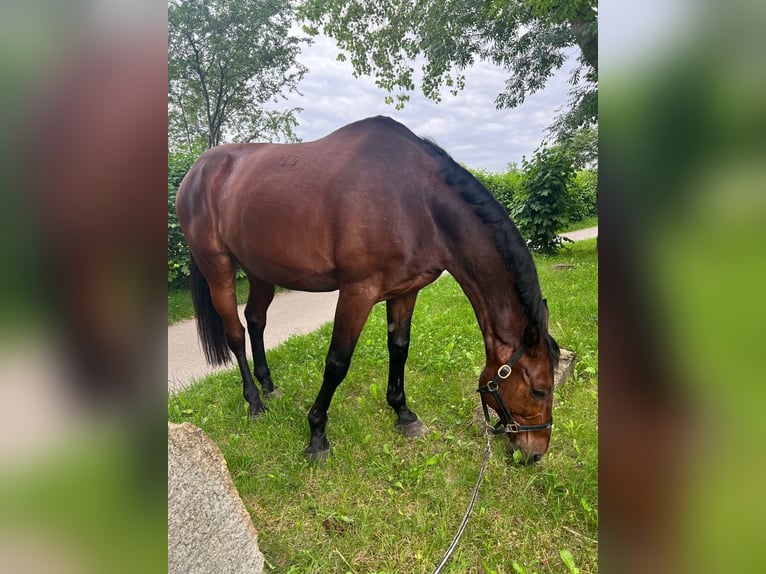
[467,125]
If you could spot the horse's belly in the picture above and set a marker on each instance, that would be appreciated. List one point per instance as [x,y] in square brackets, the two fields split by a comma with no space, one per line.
[312,282]
[303,273]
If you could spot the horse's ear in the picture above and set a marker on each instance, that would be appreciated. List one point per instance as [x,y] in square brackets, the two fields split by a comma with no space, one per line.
[547,312]
[531,336]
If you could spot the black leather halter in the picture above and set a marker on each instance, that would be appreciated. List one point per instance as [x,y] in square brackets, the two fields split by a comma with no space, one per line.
[511,426]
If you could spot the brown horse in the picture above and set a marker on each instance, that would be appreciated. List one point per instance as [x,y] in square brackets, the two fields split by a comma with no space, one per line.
[377,213]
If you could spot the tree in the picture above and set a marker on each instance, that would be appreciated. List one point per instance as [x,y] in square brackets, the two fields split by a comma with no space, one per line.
[228,62]
[528,38]
[582,145]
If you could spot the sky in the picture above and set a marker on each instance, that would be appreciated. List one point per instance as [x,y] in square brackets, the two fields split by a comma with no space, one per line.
[467,126]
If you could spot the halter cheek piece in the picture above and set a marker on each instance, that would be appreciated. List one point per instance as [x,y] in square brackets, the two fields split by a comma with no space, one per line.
[511,425]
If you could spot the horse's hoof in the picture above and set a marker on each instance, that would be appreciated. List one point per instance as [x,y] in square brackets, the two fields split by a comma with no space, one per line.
[317,456]
[275,393]
[415,429]
[256,412]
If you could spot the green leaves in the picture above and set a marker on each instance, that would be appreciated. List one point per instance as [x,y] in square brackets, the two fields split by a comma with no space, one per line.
[179,163]
[226,59]
[568,559]
[544,208]
[534,197]
[528,39]
[505,187]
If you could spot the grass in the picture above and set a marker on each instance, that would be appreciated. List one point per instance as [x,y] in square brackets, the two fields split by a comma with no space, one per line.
[383,503]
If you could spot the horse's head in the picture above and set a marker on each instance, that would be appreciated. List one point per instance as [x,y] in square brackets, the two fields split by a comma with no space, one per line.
[520,390]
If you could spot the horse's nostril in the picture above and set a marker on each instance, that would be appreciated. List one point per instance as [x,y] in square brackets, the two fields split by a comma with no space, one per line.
[535,458]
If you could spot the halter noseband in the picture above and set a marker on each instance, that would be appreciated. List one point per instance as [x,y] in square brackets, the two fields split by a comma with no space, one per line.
[511,425]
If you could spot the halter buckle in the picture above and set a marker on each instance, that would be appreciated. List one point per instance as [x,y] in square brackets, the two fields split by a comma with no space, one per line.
[504,371]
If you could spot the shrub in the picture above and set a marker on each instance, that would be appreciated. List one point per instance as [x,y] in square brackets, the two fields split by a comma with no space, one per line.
[503,186]
[582,195]
[178,251]
[179,164]
[543,206]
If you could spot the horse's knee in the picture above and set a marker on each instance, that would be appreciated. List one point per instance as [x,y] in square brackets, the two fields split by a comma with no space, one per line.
[255,322]
[398,347]
[336,368]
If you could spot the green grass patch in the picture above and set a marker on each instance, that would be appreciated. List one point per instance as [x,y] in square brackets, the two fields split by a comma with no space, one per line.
[383,503]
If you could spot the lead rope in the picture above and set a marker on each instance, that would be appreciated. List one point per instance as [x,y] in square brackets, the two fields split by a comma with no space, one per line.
[456,539]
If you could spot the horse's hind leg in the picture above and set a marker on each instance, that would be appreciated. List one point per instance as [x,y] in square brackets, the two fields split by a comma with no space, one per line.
[220,273]
[399,315]
[261,295]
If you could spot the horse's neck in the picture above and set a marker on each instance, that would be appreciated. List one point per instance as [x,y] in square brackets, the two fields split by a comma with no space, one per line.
[482,273]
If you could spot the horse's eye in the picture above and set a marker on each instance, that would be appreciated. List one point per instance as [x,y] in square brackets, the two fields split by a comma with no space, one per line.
[538,394]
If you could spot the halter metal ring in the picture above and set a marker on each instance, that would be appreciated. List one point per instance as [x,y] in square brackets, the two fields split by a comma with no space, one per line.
[513,427]
[504,371]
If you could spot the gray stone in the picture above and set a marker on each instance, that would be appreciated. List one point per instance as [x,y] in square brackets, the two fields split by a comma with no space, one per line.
[209,528]
[565,367]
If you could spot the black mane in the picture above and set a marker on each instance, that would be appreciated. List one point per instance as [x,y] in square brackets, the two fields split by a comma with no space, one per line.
[509,241]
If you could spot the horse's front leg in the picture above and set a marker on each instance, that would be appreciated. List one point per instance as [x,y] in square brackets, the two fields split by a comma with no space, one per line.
[350,315]
[399,315]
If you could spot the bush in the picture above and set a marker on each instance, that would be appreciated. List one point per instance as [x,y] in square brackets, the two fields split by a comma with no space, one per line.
[545,196]
[543,206]
[503,186]
[179,164]
[582,195]
[178,251]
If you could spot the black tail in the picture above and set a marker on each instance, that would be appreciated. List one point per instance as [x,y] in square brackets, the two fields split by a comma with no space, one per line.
[209,323]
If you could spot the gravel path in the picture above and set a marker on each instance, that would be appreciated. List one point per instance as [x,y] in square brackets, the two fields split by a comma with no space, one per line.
[291,313]
[581,234]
